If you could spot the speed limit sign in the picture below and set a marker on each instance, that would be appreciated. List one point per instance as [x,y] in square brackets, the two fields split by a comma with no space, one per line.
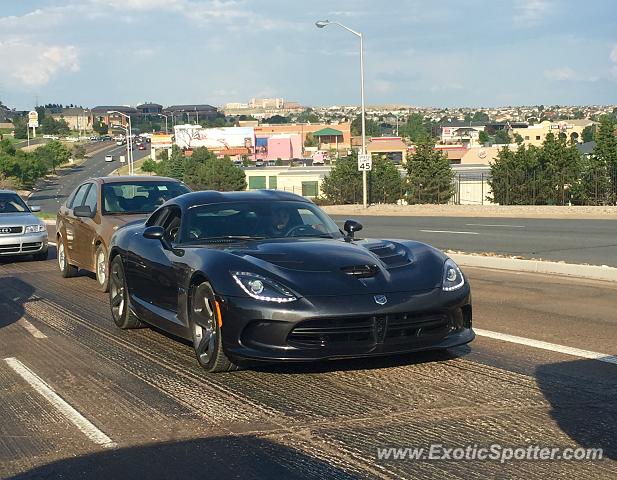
[365,162]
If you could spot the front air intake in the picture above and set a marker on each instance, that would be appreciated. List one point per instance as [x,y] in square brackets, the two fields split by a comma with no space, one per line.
[361,271]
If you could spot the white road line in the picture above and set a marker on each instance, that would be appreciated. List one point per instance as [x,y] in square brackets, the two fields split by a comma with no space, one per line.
[493,225]
[35,332]
[81,422]
[553,347]
[53,243]
[449,231]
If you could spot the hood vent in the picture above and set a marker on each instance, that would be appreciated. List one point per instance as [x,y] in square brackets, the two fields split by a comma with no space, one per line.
[391,254]
[361,271]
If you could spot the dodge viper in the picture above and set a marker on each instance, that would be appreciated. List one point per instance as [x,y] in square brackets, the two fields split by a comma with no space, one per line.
[268,276]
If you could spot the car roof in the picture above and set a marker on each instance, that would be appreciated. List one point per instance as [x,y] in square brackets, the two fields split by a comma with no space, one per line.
[211,196]
[134,178]
[8,191]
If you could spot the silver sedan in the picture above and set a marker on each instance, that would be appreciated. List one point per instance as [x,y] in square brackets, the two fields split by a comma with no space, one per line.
[21,232]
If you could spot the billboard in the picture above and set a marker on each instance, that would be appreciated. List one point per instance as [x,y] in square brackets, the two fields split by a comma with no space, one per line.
[161,140]
[33,119]
[195,136]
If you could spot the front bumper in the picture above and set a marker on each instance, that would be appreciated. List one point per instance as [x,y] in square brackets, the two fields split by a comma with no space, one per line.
[319,328]
[23,244]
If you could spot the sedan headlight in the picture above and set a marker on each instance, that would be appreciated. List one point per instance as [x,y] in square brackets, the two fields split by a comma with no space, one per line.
[452,277]
[35,228]
[263,288]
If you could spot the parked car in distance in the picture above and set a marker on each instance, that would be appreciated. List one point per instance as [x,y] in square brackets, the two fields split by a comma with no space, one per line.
[96,209]
[21,232]
[109,158]
[141,146]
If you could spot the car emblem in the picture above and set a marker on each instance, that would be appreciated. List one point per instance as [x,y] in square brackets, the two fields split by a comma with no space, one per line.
[5,230]
[380,299]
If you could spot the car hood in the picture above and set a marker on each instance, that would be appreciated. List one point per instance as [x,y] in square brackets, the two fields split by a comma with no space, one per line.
[18,219]
[339,267]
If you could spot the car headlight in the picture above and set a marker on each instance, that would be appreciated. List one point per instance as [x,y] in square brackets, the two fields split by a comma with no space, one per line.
[35,229]
[263,288]
[452,277]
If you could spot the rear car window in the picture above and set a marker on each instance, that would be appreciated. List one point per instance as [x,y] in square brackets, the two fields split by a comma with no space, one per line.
[123,198]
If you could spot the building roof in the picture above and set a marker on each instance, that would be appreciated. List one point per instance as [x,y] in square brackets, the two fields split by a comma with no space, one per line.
[118,108]
[586,148]
[190,108]
[390,145]
[327,132]
[149,104]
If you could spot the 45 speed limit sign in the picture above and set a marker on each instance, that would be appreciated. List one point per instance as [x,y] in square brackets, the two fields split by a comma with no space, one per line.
[365,162]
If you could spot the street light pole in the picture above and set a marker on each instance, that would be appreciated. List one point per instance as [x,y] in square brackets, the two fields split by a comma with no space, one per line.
[166,127]
[129,140]
[322,24]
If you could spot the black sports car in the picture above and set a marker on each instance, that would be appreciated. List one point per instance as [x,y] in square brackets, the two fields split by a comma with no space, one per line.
[267,275]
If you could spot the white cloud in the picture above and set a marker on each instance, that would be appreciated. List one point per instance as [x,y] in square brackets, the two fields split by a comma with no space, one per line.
[34,65]
[564,73]
[613,55]
[530,12]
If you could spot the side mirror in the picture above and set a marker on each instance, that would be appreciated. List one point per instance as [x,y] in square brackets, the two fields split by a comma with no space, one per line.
[351,227]
[83,211]
[156,232]
[35,208]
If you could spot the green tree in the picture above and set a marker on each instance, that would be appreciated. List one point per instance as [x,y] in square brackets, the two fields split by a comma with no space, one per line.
[588,133]
[148,165]
[484,137]
[308,116]
[100,127]
[311,140]
[502,137]
[20,127]
[276,119]
[429,175]
[372,128]
[343,184]
[480,117]
[218,174]
[415,128]
[385,183]
[53,154]
[79,151]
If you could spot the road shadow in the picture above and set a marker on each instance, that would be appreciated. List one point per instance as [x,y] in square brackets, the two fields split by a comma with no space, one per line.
[14,293]
[246,457]
[583,398]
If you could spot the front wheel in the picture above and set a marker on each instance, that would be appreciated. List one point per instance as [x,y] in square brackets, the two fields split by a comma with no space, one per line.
[119,297]
[205,321]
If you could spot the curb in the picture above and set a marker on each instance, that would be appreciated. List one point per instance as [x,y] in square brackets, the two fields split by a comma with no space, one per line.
[595,272]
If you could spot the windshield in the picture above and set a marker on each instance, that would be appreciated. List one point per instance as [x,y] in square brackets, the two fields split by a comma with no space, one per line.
[258,220]
[12,203]
[138,197]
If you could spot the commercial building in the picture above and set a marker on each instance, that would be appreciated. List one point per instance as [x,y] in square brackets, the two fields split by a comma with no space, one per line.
[569,129]
[99,114]
[77,118]
[343,141]
[391,148]
[191,113]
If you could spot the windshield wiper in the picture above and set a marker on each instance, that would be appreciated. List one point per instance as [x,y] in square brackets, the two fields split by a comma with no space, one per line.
[229,237]
[323,235]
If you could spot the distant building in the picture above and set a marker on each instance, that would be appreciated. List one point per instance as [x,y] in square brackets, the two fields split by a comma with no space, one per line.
[191,113]
[100,114]
[76,118]
[569,129]
[150,109]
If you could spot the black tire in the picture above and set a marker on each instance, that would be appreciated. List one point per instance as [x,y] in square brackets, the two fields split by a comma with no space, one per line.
[41,256]
[102,279]
[206,330]
[66,269]
[118,297]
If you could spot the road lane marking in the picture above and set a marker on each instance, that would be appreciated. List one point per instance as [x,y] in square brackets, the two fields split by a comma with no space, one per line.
[553,347]
[53,243]
[493,225]
[76,418]
[449,231]
[35,332]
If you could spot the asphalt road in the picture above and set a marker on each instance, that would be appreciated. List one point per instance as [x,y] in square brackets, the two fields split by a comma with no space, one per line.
[573,241]
[162,417]
[52,192]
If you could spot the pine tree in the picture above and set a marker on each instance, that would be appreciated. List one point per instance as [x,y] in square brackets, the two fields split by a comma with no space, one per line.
[429,175]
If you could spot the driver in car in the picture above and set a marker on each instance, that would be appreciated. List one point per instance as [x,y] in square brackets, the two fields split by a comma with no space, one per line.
[280,221]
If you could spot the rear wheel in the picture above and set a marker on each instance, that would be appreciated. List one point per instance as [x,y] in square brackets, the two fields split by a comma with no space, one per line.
[118,297]
[100,265]
[66,269]
[205,326]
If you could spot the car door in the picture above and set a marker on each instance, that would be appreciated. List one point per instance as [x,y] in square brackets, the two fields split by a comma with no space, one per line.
[69,221]
[85,230]
[150,267]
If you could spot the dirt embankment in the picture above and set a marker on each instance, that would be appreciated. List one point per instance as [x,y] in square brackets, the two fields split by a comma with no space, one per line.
[514,211]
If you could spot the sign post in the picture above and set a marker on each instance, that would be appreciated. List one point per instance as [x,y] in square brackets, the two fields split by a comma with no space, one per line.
[365,162]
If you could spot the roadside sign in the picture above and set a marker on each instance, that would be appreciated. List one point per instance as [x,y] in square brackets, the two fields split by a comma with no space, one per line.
[365,162]
[33,119]
[122,159]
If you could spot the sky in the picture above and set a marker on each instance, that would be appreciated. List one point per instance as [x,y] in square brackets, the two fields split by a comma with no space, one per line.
[447,53]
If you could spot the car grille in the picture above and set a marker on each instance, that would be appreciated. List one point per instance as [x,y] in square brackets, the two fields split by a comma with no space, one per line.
[20,248]
[11,230]
[388,329]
